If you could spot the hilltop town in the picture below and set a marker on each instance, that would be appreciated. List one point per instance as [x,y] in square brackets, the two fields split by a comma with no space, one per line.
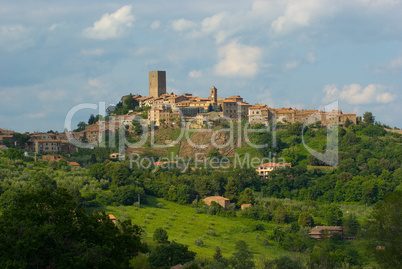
[161,109]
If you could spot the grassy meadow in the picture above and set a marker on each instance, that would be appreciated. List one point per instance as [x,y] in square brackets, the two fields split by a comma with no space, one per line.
[185,225]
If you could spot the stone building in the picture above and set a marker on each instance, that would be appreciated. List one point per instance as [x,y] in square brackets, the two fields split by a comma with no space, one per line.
[263,170]
[318,231]
[222,201]
[157,83]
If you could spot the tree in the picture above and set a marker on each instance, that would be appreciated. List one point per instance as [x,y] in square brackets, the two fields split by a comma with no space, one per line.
[351,225]
[14,154]
[217,254]
[231,189]
[280,214]
[368,118]
[130,102]
[283,262]
[350,138]
[21,139]
[97,171]
[333,215]
[170,255]
[46,229]
[387,231]
[348,122]
[160,236]
[305,219]
[93,158]
[243,257]
[81,126]
[246,197]
[91,119]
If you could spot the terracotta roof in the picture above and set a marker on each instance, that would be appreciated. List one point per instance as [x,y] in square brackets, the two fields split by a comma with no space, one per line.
[258,106]
[143,98]
[48,141]
[320,229]
[274,165]
[216,198]
[229,101]
[285,111]
[160,163]
[112,217]
[73,163]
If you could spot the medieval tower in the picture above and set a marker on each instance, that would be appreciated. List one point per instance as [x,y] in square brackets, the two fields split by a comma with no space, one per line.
[214,95]
[157,83]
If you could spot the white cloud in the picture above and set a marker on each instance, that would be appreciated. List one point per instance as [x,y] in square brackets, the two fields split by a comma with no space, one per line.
[291,65]
[311,58]
[238,60]
[355,94]
[54,95]
[155,25]
[112,25]
[95,52]
[14,37]
[94,82]
[38,115]
[143,50]
[195,74]
[183,25]
[298,14]
[393,66]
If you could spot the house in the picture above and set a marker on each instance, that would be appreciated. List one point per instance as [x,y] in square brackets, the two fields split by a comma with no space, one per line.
[259,114]
[243,206]
[44,145]
[113,219]
[75,164]
[51,158]
[222,201]
[264,169]
[114,156]
[3,147]
[318,231]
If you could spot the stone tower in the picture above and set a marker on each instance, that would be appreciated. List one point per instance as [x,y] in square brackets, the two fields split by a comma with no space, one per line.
[214,94]
[157,83]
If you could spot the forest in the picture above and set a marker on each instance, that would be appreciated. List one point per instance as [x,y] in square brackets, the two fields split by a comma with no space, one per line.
[63,211]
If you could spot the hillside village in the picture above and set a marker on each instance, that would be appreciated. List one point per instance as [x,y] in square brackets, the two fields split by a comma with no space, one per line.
[161,109]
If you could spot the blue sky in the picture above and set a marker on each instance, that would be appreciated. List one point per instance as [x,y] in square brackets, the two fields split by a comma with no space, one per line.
[55,55]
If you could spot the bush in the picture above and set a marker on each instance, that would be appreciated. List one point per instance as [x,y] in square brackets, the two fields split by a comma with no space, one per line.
[198,242]
[211,232]
[160,236]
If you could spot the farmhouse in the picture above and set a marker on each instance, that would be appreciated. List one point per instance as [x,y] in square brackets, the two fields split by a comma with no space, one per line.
[264,169]
[222,201]
[318,231]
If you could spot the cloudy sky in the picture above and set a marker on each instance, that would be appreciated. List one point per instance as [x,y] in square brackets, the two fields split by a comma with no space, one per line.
[55,55]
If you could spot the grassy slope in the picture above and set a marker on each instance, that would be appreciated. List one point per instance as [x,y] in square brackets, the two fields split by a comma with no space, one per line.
[184,225]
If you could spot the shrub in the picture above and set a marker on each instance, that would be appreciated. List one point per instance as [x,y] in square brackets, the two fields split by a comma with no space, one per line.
[160,236]
[211,232]
[198,242]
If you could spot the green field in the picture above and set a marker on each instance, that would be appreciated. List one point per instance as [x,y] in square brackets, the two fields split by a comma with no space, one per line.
[185,225]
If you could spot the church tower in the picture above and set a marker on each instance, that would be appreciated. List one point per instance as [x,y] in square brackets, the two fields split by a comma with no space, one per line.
[157,83]
[214,95]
